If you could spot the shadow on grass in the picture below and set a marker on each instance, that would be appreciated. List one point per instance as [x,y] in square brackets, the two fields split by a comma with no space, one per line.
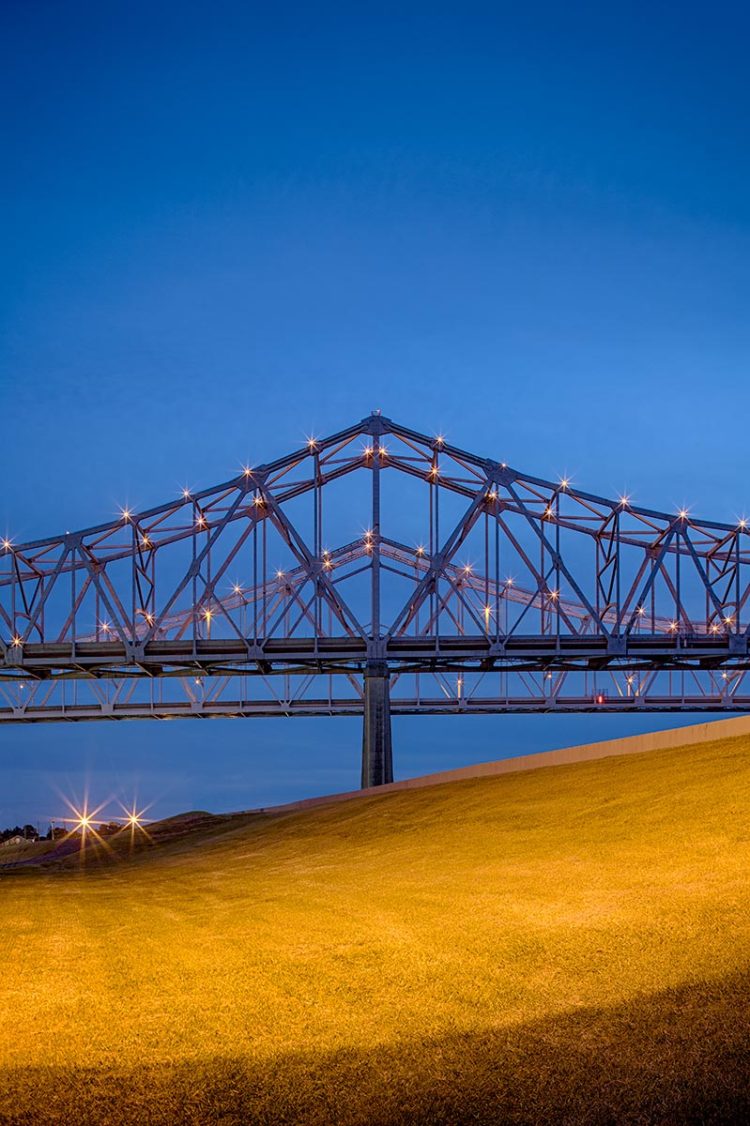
[681,1056]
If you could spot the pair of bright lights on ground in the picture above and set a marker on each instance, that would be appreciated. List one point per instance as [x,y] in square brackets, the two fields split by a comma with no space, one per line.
[83,820]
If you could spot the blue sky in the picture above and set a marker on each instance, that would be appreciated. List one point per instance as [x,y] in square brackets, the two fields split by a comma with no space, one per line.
[226,226]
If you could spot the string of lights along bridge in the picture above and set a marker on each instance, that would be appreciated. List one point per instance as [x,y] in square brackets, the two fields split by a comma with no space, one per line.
[374,572]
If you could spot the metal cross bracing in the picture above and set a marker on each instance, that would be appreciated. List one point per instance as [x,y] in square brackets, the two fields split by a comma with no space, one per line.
[378,571]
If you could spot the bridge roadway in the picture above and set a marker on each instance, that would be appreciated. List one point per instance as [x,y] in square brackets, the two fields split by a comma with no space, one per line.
[230,656]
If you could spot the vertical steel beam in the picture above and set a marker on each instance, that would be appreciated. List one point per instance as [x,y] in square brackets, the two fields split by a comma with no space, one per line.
[377,746]
[375,527]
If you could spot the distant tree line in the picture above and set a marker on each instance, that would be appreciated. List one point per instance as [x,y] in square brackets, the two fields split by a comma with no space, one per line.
[56,832]
[28,832]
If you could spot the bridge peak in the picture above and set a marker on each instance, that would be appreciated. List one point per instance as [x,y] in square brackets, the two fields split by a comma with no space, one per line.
[376,424]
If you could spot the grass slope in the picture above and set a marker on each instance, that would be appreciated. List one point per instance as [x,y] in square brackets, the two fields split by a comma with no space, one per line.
[570,944]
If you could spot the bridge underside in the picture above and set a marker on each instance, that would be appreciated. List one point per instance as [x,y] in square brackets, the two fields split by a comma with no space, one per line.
[463,675]
[331,707]
[211,698]
[460,676]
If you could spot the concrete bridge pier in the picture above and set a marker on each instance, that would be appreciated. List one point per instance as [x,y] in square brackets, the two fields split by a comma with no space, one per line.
[377,748]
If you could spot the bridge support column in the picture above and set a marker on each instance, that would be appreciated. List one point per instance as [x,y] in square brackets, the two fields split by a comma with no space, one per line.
[377,749]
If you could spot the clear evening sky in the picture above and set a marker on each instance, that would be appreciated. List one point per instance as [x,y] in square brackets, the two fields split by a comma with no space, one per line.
[225,226]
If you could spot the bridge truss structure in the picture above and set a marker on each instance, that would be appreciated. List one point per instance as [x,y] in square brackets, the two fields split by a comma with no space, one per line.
[378,571]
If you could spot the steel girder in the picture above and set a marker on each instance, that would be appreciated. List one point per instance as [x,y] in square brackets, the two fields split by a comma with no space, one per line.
[477,587]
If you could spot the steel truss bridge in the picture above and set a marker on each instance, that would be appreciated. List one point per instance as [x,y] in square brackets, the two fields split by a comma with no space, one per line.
[378,571]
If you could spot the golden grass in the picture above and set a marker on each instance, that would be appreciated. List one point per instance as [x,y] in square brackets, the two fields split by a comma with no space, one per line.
[568,944]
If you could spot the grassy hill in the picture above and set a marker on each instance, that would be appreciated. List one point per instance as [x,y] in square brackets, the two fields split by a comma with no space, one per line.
[566,945]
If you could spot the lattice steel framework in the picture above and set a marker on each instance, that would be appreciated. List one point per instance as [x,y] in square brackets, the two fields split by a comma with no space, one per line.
[453,583]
